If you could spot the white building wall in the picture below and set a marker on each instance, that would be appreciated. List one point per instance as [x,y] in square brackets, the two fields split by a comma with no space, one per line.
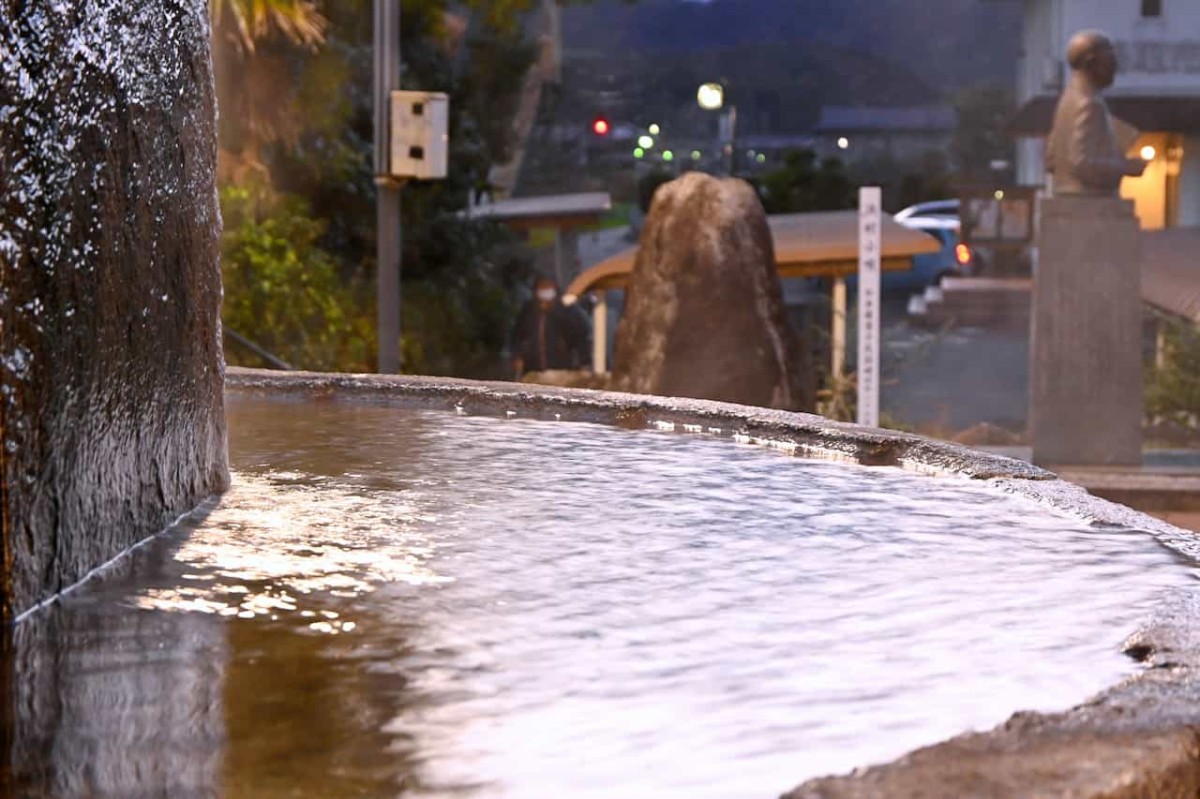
[1158,55]
[1189,183]
[1040,72]
[1041,59]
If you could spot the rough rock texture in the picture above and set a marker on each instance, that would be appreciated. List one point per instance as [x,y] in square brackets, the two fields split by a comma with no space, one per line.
[704,313]
[111,376]
[1138,740]
[1023,760]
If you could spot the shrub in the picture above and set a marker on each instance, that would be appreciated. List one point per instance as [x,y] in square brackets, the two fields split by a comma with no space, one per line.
[284,292]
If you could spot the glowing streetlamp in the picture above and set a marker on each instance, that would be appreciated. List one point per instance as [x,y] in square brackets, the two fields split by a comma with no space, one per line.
[654,129]
[645,142]
[711,96]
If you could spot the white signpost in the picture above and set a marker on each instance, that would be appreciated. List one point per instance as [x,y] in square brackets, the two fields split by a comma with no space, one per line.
[869,247]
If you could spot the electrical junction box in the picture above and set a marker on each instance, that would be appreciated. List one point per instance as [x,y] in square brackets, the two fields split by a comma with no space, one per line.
[420,137]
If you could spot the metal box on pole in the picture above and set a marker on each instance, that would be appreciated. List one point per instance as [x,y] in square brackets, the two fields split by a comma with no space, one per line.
[419,135]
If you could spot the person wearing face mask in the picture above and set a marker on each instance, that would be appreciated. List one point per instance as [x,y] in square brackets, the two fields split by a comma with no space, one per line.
[549,335]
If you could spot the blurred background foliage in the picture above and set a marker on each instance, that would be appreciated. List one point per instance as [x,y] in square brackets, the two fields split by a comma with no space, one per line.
[294,87]
[1173,382]
[280,284]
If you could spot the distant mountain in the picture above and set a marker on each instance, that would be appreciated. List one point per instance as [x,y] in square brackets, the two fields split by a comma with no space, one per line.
[946,44]
[776,86]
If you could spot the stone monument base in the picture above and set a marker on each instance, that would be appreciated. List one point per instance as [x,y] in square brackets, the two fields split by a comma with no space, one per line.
[1086,368]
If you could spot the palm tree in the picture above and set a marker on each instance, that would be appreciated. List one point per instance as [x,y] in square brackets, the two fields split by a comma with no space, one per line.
[248,80]
[249,21]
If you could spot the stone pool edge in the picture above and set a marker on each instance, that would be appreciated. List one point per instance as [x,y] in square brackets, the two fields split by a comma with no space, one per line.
[1140,738]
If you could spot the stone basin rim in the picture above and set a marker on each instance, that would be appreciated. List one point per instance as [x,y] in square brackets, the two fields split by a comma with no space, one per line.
[1140,738]
[810,434]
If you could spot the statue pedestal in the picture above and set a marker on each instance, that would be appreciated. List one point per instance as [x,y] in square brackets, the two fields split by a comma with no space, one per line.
[1086,369]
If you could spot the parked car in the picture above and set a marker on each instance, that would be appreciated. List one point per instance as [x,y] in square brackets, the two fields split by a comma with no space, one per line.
[935,208]
[954,259]
[980,258]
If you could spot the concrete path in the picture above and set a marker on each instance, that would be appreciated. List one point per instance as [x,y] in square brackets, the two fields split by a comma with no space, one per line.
[945,382]
[595,246]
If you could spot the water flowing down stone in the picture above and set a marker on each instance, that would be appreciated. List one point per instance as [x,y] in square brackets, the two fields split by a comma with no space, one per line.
[704,316]
[111,374]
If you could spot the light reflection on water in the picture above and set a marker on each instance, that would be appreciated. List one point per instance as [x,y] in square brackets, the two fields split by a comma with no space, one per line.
[404,603]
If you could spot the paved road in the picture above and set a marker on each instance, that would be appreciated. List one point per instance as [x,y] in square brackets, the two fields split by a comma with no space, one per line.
[594,247]
[938,382]
[949,381]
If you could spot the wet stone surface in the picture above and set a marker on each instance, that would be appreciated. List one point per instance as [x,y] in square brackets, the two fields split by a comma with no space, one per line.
[409,602]
[704,312]
[110,359]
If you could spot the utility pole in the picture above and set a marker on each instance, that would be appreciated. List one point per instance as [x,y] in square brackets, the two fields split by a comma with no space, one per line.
[387,203]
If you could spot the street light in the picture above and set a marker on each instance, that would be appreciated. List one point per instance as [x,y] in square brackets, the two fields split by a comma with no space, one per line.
[711,96]
[654,130]
[645,142]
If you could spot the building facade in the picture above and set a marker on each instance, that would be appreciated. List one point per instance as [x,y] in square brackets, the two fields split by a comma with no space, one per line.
[905,133]
[1157,91]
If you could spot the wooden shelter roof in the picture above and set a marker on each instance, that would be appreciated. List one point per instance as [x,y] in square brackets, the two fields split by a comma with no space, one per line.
[820,244]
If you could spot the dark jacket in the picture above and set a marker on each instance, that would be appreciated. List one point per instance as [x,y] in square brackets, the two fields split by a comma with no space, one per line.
[559,338]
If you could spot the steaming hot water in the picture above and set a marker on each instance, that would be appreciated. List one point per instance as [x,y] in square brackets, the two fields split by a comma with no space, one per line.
[394,602]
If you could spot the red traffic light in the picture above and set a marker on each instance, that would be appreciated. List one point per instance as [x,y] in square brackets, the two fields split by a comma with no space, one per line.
[600,126]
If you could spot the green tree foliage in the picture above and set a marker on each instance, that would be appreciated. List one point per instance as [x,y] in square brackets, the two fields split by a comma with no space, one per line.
[904,183]
[1173,386]
[247,22]
[648,184]
[805,183]
[980,138]
[284,291]
[296,128]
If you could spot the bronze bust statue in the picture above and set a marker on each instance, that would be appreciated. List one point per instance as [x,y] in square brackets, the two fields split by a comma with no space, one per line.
[1083,153]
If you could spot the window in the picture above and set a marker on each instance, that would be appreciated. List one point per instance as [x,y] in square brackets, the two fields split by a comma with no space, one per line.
[1152,8]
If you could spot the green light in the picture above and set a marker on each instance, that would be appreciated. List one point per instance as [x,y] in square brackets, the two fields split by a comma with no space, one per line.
[696,155]
[762,159]
[639,152]
[668,155]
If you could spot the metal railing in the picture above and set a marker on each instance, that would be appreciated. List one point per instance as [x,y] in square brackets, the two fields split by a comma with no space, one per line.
[274,360]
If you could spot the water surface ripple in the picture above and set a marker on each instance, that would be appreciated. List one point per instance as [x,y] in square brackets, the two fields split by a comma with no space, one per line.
[407,603]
